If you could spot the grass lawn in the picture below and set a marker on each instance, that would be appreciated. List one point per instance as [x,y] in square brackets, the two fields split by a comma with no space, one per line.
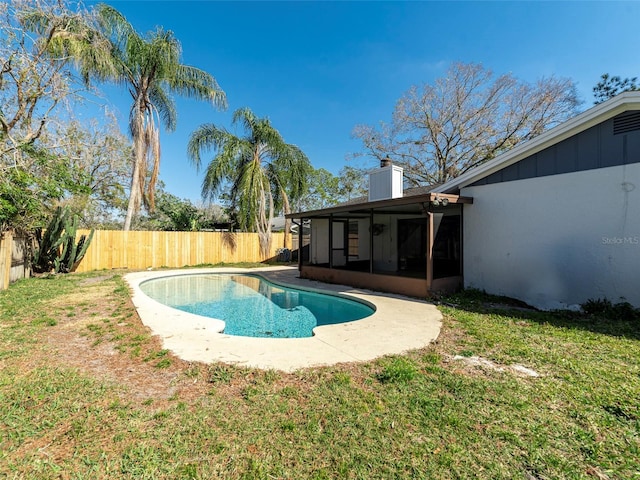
[86,392]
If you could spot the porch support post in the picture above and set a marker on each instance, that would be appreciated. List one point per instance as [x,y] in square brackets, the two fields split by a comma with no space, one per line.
[430,240]
[331,240]
[371,241]
[300,242]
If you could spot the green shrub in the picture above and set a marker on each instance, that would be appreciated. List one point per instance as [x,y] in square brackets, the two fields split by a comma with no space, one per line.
[605,308]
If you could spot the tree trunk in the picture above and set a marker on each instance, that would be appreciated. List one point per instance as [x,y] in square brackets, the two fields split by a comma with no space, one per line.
[133,196]
[287,222]
[263,223]
[135,193]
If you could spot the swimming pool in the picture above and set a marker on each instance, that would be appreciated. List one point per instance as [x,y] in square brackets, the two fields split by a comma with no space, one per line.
[251,306]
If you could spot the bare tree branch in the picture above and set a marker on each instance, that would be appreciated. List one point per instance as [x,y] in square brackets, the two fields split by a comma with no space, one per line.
[465,118]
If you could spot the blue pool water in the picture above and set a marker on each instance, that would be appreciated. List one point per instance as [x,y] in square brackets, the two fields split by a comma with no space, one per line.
[252,306]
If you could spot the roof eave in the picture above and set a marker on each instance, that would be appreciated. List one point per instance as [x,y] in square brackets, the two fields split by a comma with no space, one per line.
[358,207]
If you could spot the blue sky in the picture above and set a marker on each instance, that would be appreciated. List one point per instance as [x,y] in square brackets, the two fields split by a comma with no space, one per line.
[317,69]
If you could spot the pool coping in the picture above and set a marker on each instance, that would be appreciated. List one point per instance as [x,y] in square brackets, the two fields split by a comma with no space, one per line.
[399,324]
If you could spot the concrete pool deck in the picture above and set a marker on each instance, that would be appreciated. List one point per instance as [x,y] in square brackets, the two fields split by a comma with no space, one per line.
[398,325]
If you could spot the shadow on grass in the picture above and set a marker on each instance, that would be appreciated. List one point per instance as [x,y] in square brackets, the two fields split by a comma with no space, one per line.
[601,316]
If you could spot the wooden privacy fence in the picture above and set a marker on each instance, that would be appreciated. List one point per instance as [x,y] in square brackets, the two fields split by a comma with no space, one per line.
[140,250]
[14,263]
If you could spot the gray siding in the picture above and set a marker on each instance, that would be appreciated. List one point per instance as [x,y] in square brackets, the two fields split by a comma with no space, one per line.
[597,147]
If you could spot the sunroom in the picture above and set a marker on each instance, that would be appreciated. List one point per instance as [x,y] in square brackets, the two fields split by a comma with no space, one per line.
[406,242]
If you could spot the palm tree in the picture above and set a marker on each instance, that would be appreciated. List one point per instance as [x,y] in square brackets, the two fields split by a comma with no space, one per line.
[149,67]
[265,173]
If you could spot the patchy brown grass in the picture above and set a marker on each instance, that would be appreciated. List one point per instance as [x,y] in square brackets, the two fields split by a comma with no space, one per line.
[86,391]
[106,352]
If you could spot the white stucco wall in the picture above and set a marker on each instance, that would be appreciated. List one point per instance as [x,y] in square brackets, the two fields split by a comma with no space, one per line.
[556,241]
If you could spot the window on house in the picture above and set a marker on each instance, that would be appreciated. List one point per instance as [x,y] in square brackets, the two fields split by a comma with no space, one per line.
[353,240]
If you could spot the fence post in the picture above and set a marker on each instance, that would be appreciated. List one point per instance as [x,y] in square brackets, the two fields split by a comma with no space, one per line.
[6,247]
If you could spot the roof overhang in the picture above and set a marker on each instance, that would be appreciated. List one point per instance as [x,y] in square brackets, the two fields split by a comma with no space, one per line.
[595,115]
[435,199]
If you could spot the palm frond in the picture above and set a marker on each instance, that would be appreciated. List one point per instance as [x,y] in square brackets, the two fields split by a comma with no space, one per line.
[246,118]
[205,138]
[222,167]
[115,25]
[165,106]
[192,82]
[294,168]
[162,55]
[251,189]
[277,186]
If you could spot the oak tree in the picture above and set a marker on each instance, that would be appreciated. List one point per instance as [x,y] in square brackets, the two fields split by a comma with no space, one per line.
[40,42]
[468,116]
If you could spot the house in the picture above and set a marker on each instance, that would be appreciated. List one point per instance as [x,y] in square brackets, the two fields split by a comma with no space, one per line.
[278,224]
[554,221]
